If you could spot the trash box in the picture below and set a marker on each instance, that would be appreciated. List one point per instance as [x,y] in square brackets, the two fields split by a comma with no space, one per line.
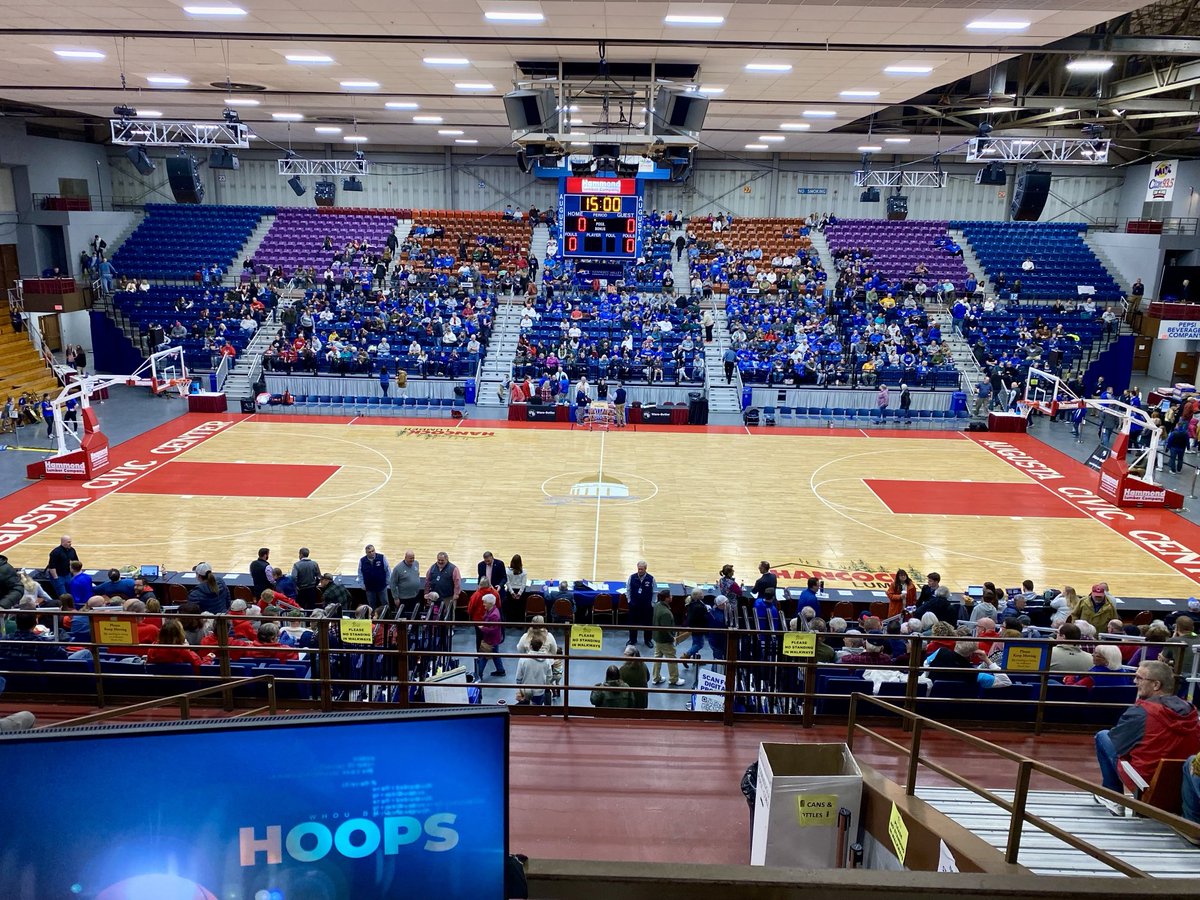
[747,397]
[469,390]
[801,788]
[958,401]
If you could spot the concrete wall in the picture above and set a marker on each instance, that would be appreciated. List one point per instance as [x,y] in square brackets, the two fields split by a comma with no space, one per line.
[81,227]
[1134,255]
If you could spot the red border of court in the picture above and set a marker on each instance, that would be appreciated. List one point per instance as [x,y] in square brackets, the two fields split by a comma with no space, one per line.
[1165,535]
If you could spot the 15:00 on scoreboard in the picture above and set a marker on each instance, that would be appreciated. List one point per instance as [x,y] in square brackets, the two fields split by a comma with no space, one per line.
[600,226]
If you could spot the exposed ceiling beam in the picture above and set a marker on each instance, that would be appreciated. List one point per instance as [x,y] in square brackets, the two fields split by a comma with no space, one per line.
[1123,45]
[1181,76]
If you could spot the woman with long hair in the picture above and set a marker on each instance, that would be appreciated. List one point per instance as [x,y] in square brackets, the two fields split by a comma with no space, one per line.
[513,602]
[172,646]
[902,593]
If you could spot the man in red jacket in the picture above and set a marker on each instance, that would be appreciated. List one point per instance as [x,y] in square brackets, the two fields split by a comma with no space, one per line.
[1158,726]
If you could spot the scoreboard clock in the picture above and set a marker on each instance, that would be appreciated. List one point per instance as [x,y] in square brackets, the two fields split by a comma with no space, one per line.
[601,218]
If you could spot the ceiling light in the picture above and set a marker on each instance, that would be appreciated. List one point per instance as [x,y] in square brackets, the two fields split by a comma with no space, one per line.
[287,117]
[756,147]
[768,67]
[401,104]
[1089,65]
[428,120]
[79,54]
[474,85]
[908,70]
[355,139]
[1059,109]
[465,141]
[867,94]
[359,85]
[576,108]
[869,148]
[241,101]
[1000,109]
[149,114]
[708,89]
[819,113]
[167,80]
[579,143]
[694,20]
[446,61]
[308,58]
[450,131]
[771,138]
[896,140]
[328,129]
[577,121]
[794,126]
[214,10]
[988,25]
[514,16]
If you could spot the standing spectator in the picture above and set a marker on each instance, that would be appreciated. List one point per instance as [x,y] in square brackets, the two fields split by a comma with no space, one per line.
[11,588]
[636,674]
[514,589]
[902,594]
[58,569]
[443,581]
[533,676]
[306,573]
[491,568]
[1177,443]
[905,404]
[619,398]
[983,393]
[491,636]
[709,323]
[729,357]
[767,580]
[261,572]
[1158,726]
[385,380]
[695,616]
[211,594]
[373,569]
[641,591]
[664,640]
[405,583]
[881,402]
[81,588]
[1096,608]
[48,415]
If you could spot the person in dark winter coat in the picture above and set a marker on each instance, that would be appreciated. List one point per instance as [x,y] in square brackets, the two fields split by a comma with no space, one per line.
[11,589]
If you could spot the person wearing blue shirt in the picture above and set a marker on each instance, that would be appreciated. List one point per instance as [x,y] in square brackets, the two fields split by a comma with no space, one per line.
[116,586]
[80,584]
[808,597]
[767,612]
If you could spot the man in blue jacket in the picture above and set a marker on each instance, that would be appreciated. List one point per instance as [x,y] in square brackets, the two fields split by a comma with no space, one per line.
[642,590]
[373,569]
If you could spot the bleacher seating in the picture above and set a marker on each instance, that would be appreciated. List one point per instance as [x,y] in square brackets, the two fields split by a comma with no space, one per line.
[297,237]
[1014,338]
[896,247]
[773,238]
[442,240]
[1062,259]
[174,243]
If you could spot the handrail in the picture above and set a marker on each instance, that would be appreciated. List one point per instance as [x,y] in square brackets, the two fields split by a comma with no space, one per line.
[184,700]
[1026,767]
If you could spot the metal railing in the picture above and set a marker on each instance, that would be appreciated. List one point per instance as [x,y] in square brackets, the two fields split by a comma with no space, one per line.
[1026,767]
[184,700]
[760,682]
[1172,225]
[90,203]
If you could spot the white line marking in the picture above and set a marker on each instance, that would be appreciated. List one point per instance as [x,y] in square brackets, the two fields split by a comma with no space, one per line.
[599,498]
[747,427]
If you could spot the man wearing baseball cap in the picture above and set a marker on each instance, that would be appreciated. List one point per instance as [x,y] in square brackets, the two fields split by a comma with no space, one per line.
[1097,608]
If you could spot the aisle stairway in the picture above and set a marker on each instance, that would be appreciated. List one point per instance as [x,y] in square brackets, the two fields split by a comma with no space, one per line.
[679,266]
[233,276]
[974,266]
[22,368]
[1106,261]
[541,234]
[501,352]
[1144,843]
[960,351]
[724,400]
[822,247]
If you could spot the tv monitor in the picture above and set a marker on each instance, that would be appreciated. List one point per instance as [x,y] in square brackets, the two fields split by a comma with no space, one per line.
[307,807]
[149,571]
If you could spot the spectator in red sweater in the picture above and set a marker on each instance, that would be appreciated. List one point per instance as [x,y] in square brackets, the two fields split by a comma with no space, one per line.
[475,606]
[172,647]
[268,644]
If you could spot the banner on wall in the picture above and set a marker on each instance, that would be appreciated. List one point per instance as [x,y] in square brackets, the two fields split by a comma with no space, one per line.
[1162,180]
[1180,329]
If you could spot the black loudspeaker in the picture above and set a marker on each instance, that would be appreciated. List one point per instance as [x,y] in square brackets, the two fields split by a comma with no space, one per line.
[870,195]
[324,193]
[992,173]
[676,112]
[185,181]
[897,207]
[1029,196]
[143,163]
[531,111]
[248,405]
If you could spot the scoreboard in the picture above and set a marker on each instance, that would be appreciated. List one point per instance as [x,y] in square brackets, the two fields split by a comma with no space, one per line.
[601,218]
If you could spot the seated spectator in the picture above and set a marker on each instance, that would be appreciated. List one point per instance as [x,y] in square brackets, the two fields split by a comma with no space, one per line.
[172,646]
[613,692]
[1156,633]
[117,586]
[872,654]
[268,644]
[837,628]
[1066,656]
[939,604]
[636,674]
[210,594]
[1186,636]
[985,630]
[960,664]
[1127,648]
[284,584]
[33,593]
[985,608]
[81,625]
[1158,726]
[1106,662]
[30,641]
[295,631]
[533,676]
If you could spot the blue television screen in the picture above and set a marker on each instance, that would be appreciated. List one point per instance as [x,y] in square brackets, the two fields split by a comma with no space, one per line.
[311,807]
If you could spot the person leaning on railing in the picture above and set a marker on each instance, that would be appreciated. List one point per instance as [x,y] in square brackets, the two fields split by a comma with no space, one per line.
[1158,726]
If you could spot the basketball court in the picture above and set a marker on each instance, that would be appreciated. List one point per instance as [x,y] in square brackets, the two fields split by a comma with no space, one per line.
[847,505]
